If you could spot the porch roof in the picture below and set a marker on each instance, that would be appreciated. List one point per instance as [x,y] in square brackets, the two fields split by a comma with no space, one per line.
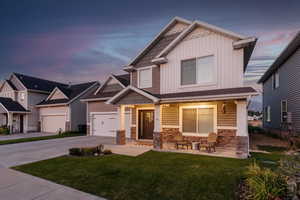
[11,105]
[240,92]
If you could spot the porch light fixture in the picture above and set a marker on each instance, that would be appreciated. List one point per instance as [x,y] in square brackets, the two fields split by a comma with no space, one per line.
[224,108]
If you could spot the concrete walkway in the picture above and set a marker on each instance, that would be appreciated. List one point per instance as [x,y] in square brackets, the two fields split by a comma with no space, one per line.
[24,135]
[15,185]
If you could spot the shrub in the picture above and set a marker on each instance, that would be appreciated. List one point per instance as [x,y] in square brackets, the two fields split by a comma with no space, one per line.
[75,152]
[107,152]
[265,184]
[89,151]
[4,130]
[270,148]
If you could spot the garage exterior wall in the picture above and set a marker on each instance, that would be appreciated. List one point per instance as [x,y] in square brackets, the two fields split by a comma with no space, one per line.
[99,106]
[55,110]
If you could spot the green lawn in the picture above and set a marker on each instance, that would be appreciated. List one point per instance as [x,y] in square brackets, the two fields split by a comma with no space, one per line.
[32,139]
[153,175]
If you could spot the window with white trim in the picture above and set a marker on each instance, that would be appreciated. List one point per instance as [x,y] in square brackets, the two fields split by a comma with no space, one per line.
[198,71]
[284,110]
[22,96]
[275,80]
[197,121]
[145,78]
[268,113]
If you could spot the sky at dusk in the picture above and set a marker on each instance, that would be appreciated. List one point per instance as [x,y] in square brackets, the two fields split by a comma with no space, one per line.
[82,40]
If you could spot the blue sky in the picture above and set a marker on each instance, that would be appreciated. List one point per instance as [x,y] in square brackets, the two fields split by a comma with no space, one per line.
[83,40]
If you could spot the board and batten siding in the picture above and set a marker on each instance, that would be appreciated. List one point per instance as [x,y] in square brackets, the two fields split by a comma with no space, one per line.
[199,43]
[289,89]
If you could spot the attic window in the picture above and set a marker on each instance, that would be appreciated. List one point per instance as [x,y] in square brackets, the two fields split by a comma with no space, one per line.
[35,86]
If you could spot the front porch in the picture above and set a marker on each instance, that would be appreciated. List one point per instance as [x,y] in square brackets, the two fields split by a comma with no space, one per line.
[158,125]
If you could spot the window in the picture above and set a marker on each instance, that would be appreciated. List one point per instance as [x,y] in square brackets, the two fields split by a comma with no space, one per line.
[284,111]
[275,79]
[22,96]
[145,78]
[197,121]
[268,113]
[198,71]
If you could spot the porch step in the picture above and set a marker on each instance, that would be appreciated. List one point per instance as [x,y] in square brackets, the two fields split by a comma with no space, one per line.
[144,143]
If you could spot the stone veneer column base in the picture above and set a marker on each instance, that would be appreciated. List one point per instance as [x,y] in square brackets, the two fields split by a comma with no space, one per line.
[157,140]
[133,133]
[121,137]
[242,146]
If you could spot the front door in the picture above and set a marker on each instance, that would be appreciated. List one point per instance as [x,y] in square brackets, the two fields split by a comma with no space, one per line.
[146,124]
[21,123]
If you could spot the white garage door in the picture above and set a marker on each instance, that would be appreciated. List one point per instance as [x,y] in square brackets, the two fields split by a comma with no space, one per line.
[52,123]
[106,124]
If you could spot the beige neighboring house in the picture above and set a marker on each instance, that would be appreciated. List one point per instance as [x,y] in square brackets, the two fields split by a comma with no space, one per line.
[62,110]
[20,94]
[187,82]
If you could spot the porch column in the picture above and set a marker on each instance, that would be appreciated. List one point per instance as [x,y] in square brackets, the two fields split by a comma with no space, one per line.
[157,137]
[10,122]
[121,134]
[242,128]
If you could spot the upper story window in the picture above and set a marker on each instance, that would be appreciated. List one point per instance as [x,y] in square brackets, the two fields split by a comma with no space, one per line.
[275,80]
[198,71]
[145,78]
[22,96]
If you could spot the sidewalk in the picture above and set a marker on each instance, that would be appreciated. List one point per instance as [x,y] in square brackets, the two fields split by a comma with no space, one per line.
[15,185]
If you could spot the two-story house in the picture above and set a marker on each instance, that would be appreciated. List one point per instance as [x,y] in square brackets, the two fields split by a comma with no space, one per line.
[188,81]
[30,104]
[281,91]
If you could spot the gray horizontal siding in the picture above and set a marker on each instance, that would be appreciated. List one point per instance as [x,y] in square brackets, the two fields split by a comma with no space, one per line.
[289,89]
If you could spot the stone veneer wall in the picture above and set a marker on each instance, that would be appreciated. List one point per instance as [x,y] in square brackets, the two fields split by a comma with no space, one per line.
[121,137]
[133,133]
[226,138]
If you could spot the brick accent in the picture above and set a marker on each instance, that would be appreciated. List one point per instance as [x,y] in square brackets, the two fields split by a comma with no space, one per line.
[88,128]
[68,126]
[226,137]
[133,133]
[121,137]
[157,140]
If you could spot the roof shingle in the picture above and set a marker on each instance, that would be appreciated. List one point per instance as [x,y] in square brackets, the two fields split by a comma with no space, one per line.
[11,105]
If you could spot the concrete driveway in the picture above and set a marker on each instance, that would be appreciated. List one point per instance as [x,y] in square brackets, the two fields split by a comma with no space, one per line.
[15,185]
[17,154]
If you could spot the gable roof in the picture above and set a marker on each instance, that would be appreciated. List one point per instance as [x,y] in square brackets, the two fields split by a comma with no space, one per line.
[124,81]
[9,83]
[11,105]
[158,37]
[72,92]
[38,84]
[285,54]
[161,45]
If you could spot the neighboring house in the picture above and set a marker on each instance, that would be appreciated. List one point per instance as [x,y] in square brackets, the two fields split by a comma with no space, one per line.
[281,90]
[19,96]
[188,81]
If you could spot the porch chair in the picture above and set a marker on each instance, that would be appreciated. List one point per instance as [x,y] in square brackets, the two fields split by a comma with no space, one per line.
[180,142]
[210,143]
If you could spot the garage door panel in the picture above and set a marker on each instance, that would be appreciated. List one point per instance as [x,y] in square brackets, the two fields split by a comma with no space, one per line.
[52,123]
[107,124]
